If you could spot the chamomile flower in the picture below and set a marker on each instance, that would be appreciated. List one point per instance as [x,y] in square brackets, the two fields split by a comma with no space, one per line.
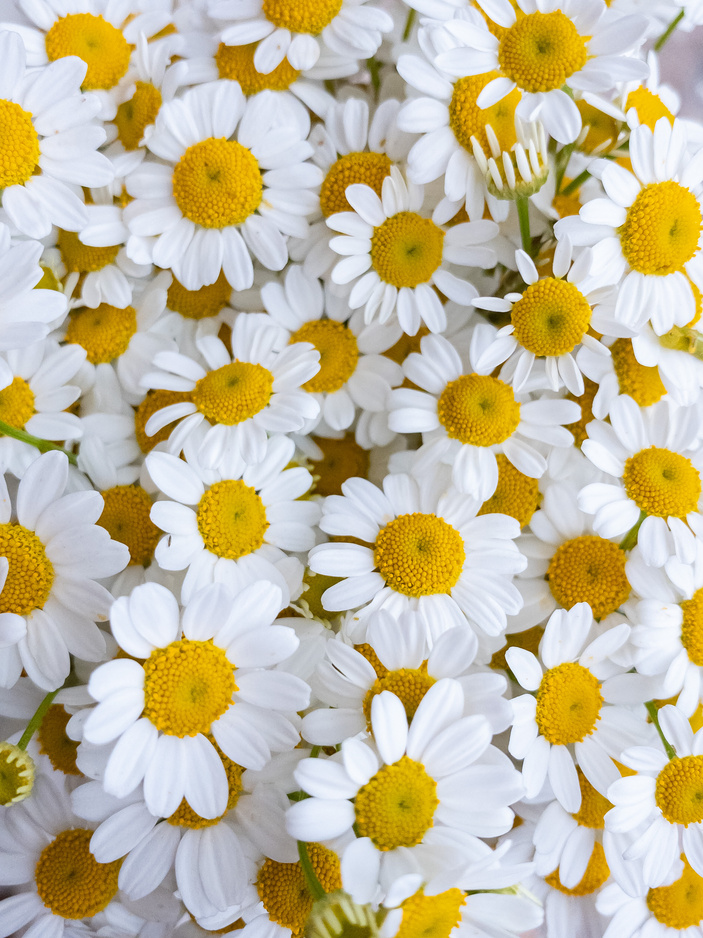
[202,676]
[621,372]
[680,372]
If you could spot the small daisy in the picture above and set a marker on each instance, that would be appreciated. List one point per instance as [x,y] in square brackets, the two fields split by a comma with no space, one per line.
[408,255]
[621,372]
[679,371]
[202,677]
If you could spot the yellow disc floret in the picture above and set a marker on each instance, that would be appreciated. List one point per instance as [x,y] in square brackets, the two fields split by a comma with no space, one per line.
[551,317]
[19,145]
[232,519]
[585,402]
[680,905]
[408,684]
[282,887]
[597,872]
[642,383]
[237,64]
[679,790]
[662,483]
[199,304]
[568,704]
[55,743]
[479,410]
[16,403]
[368,169]
[341,460]
[661,230]
[100,44]
[153,402]
[16,774]
[541,51]
[589,569]
[431,916]
[338,350]
[692,627]
[126,518]
[396,807]
[649,106]
[135,115]
[187,686]
[233,393]
[70,881]
[601,130]
[217,183]
[516,494]
[104,332]
[30,575]
[82,258]
[468,120]
[301,16]
[406,249]
[419,555]
[594,806]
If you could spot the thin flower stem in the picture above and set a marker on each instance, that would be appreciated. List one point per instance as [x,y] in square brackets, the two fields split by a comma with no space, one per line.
[561,164]
[36,720]
[671,28]
[576,182]
[313,883]
[654,717]
[630,539]
[524,219]
[44,445]
[409,25]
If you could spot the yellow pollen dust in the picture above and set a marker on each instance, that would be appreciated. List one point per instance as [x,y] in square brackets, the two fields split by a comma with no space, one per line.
[408,684]
[649,106]
[301,16]
[680,905]
[204,303]
[19,145]
[153,402]
[237,64]
[419,555]
[406,249]
[431,916]
[661,230]
[82,258]
[217,183]
[568,704]
[338,350]
[585,402]
[187,686]
[602,129]
[594,806]
[551,317]
[282,887]
[126,519]
[30,575]
[341,460]
[16,403]
[16,774]
[641,382]
[662,483]
[55,743]
[368,169]
[589,569]
[104,332]
[135,115]
[516,494]
[233,393]
[396,807]
[541,51]
[70,881]
[679,790]
[692,627]
[468,120]
[478,410]
[597,872]
[100,44]
[232,519]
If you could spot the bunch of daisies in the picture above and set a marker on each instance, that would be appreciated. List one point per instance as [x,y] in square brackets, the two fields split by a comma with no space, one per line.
[351,454]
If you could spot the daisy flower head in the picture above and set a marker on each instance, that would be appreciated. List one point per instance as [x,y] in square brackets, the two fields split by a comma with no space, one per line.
[646,233]
[468,419]
[231,186]
[202,679]
[395,256]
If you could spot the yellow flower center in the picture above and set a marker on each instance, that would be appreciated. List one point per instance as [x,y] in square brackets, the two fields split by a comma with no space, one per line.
[406,249]
[408,684]
[338,350]
[153,402]
[679,790]
[431,916]
[232,519]
[568,704]
[301,16]
[541,51]
[282,887]
[204,303]
[551,317]
[478,410]
[419,555]
[341,460]
[16,403]
[516,494]
[468,120]
[104,332]
[102,47]
[19,145]
[661,230]
[233,393]
[602,130]
[396,807]
[662,483]
[185,816]
[30,575]
[642,383]
[70,881]
[597,872]
[585,402]
[589,569]
[126,519]
[368,169]
[217,183]
[237,64]
[529,639]
[135,115]
[187,686]
[680,905]
[692,627]
[649,106]
[16,774]
[81,257]
[594,806]
[55,743]
[314,585]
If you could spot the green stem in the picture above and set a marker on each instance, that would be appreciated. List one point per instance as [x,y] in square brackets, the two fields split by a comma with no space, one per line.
[654,717]
[666,35]
[7,429]
[524,219]
[630,539]
[409,25]
[576,182]
[562,161]
[313,883]
[36,720]
[374,67]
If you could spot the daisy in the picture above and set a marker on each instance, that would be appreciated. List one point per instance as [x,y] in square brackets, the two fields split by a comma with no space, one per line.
[646,234]
[468,419]
[654,456]
[203,677]
[679,371]
[257,188]
[427,551]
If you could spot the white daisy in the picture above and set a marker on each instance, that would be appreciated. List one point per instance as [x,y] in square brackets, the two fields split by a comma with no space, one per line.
[680,371]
